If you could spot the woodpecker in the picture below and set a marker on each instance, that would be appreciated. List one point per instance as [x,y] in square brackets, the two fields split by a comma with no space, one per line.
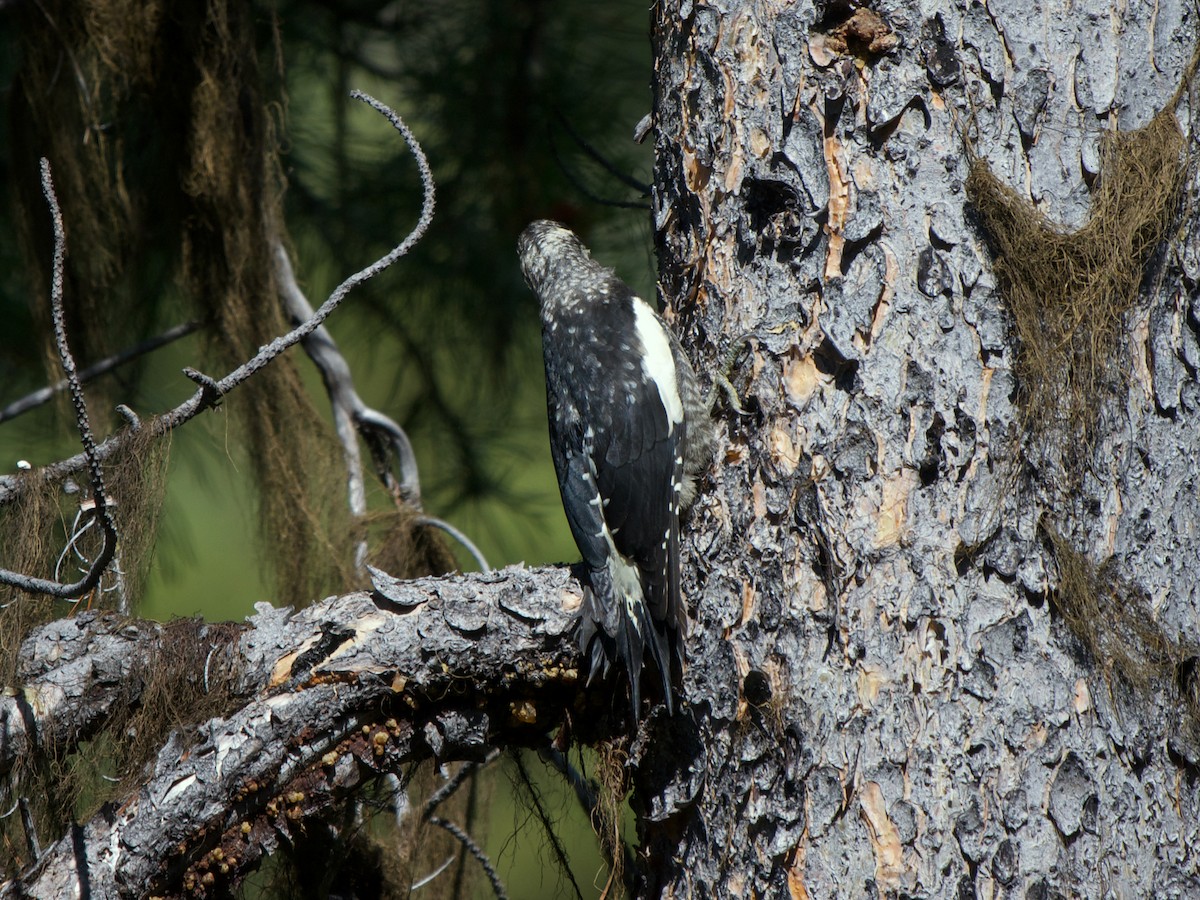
[629,435]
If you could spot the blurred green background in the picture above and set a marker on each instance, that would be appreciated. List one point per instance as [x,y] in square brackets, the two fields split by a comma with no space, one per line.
[513,103]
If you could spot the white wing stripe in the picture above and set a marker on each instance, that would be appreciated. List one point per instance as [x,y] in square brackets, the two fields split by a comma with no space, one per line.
[658,363]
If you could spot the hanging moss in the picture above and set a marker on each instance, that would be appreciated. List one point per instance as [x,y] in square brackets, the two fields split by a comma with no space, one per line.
[231,179]
[612,776]
[1115,622]
[163,146]
[32,529]
[190,679]
[135,478]
[1068,291]
[81,99]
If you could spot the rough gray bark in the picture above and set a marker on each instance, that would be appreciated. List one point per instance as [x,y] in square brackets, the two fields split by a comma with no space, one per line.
[72,672]
[877,711]
[340,692]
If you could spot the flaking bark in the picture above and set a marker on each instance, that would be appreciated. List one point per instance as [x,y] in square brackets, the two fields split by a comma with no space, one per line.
[341,692]
[885,700]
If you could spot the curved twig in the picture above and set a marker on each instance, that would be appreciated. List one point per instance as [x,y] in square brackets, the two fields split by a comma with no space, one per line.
[90,454]
[434,874]
[352,417]
[476,851]
[276,347]
[386,439]
[625,178]
[208,396]
[475,552]
[583,188]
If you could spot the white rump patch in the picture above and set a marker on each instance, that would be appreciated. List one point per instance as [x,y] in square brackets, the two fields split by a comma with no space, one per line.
[658,363]
[626,580]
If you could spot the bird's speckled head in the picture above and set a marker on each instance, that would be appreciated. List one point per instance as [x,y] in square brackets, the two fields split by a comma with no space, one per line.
[544,247]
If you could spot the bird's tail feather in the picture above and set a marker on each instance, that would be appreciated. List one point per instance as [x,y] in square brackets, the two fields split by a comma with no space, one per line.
[608,633]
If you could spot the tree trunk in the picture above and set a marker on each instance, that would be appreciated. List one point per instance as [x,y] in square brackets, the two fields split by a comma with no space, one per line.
[884,696]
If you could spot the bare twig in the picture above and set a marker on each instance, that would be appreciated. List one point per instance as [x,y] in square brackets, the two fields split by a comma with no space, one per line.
[399,796]
[583,188]
[476,851]
[475,552]
[129,416]
[85,520]
[585,790]
[351,416]
[466,771]
[447,790]
[270,351]
[212,390]
[92,577]
[434,874]
[560,853]
[388,442]
[335,374]
[30,827]
[43,395]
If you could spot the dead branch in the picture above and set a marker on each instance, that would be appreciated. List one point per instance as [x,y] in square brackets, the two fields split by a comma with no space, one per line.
[352,418]
[99,499]
[343,692]
[44,395]
[468,544]
[605,163]
[212,390]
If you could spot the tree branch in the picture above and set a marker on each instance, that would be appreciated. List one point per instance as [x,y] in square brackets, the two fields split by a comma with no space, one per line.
[468,544]
[212,390]
[345,691]
[44,395]
[641,187]
[100,508]
[583,188]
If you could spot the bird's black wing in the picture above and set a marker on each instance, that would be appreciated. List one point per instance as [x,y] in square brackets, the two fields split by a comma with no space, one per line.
[576,483]
[617,457]
[635,464]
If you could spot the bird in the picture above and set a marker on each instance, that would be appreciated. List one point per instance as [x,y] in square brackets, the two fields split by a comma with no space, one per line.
[630,434]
